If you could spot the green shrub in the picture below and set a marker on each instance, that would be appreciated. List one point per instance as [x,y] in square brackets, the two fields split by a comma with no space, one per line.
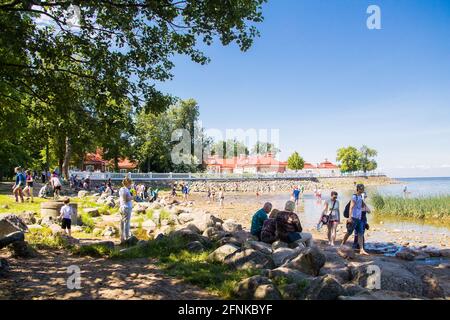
[87,222]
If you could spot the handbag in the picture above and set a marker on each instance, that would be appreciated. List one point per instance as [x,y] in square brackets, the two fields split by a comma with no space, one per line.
[326,218]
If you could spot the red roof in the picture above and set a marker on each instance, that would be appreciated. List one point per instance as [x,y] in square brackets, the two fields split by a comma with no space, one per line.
[97,157]
[327,165]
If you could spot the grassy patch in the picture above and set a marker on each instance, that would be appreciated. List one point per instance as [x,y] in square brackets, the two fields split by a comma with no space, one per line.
[435,208]
[43,239]
[282,284]
[14,207]
[88,222]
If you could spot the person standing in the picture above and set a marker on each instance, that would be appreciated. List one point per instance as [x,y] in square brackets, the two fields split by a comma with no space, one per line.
[28,191]
[331,210]
[19,184]
[66,216]
[296,195]
[221,197]
[258,220]
[355,223]
[365,211]
[56,184]
[125,201]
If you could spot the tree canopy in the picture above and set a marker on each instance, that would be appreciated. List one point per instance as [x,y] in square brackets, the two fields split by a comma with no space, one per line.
[351,159]
[295,162]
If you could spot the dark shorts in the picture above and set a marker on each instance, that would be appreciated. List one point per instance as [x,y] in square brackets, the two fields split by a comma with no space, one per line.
[30,184]
[58,188]
[357,225]
[66,223]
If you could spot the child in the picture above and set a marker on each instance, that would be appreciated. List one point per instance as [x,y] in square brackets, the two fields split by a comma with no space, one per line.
[28,191]
[66,215]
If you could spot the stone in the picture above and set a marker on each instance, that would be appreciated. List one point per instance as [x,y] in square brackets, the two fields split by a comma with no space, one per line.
[188,235]
[324,288]
[93,212]
[267,292]
[56,229]
[28,217]
[185,218]
[445,253]
[405,254]
[258,246]
[249,259]
[131,241]
[431,287]
[222,252]
[193,228]
[195,246]
[214,234]
[229,240]
[352,289]
[4,267]
[309,261]
[346,253]
[394,277]
[279,244]
[149,225]
[22,249]
[11,223]
[291,274]
[109,231]
[11,238]
[83,193]
[283,255]
[231,226]
[242,236]
[246,288]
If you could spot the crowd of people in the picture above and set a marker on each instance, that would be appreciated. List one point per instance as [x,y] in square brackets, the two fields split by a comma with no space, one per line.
[24,185]
[270,224]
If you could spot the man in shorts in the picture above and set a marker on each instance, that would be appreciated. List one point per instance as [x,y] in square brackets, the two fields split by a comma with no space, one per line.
[19,185]
[355,222]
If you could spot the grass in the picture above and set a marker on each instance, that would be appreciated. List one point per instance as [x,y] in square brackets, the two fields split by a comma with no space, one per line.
[88,222]
[43,239]
[14,207]
[436,208]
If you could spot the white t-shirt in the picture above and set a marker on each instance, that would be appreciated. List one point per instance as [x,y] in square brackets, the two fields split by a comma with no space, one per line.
[124,193]
[56,182]
[66,211]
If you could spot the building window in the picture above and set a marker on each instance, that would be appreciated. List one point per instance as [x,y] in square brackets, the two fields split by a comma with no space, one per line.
[90,168]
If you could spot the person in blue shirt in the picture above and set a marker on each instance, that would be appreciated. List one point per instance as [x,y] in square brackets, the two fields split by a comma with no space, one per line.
[296,194]
[258,220]
[19,185]
[355,222]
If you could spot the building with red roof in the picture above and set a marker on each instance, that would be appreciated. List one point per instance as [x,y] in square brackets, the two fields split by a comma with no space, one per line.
[95,162]
[246,164]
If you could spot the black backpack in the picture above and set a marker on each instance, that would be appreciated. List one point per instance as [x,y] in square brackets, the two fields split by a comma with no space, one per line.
[347,207]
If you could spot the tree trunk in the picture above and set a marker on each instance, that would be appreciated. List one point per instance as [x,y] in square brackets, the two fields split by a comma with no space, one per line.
[67,156]
[116,164]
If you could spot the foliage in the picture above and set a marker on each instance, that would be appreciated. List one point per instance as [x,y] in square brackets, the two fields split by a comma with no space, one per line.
[43,239]
[295,162]
[229,149]
[262,148]
[366,163]
[88,222]
[351,159]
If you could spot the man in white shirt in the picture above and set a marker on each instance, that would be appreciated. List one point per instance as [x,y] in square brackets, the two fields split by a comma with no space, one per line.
[126,206]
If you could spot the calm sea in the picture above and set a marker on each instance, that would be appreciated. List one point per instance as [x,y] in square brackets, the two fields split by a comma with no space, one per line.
[418,187]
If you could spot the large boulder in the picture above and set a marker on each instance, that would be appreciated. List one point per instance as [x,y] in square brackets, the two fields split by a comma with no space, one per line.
[258,246]
[231,226]
[267,292]
[222,252]
[249,259]
[283,255]
[195,246]
[247,287]
[324,288]
[346,253]
[149,225]
[393,277]
[11,223]
[279,244]
[4,267]
[22,249]
[291,275]
[11,238]
[309,261]
[243,236]
[28,217]
[93,212]
[431,287]
[215,234]
[188,235]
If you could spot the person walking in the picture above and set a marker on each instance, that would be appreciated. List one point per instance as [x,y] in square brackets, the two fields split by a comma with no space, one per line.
[125,201]
[221,197]
[354,222]
[19,184]
[56,184]
[28,191]
[66,216]
[331,217]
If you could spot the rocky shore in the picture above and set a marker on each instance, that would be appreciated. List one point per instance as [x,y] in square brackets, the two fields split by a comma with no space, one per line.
[284,271]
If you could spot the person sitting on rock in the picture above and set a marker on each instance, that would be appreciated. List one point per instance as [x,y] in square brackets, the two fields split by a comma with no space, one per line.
[269,229]
[258,220]
[288,226]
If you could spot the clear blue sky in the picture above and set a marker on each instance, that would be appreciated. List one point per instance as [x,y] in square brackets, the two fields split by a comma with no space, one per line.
[325,81]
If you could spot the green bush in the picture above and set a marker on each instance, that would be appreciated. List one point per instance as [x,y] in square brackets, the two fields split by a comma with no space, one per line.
[87,222]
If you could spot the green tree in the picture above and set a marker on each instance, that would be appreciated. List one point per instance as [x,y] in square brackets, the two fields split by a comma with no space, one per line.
[229,149]
[295,162]
[261,148]
[366,161]
[349,159]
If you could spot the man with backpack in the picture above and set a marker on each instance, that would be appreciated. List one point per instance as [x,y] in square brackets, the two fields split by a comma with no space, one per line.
[354,215]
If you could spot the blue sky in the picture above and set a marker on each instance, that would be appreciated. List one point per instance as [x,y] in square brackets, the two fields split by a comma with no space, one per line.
[321,77]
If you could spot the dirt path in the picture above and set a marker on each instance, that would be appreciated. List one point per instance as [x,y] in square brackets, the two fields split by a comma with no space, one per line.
[45,277]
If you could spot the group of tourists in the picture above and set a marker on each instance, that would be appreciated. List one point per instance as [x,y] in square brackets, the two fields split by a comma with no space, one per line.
[270,225]
[143,192]
[211,196]
[24,183]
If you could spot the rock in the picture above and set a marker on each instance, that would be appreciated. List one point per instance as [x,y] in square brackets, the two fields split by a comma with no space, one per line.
[32,227]
[97,231]
[11,238]
[109,231]
[324,288]
[188,235]
[47,221]
[4,267]
[28,217]
[83,193]
[291,274]
[258,246]
[246,288]
[93,212]
[214,234]
[267,292]
[352,289]
[206,220]
[139,209]
[405,254]
[445,253]
[185,218]
[222,252]
[149,225]
[346,253]
[435,253]
[249,259]
[431,287]
[279,244]
[243,236]
[309,261]
[393,277]
[283,255]
[22,249]
[193,228]
[11,223]
[231,226]
[195,246]
[76,229]
[130,242]
[56,229]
